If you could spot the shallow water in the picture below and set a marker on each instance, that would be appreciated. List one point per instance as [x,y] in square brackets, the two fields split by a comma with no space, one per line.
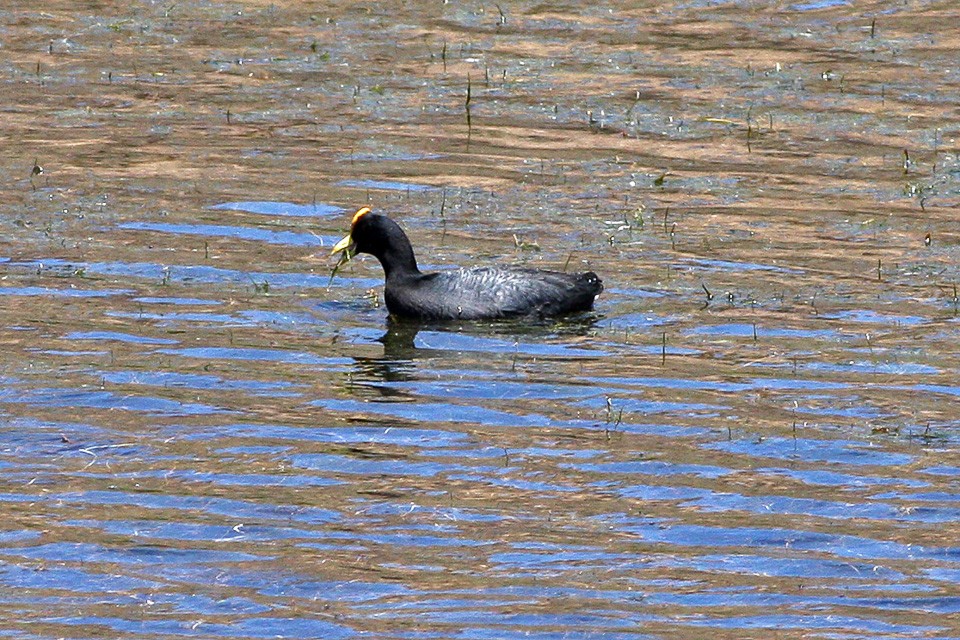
[203,434]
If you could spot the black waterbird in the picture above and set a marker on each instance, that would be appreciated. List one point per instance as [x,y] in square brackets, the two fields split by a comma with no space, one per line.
[478,293]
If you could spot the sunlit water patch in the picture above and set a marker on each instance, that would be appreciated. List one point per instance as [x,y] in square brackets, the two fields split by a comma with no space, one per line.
[870,316]
[292,238]
[195,302]
[219,354]
[280,208]
[164,273]
[116,336]
[728,265]
[386,185]
[390,156]
[249,317]
[198,381]
[818,4]
[63,292]
[742,330]
[832,451]
[93,398]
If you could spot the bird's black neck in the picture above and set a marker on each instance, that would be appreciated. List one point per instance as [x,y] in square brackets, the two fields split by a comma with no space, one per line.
[397,257]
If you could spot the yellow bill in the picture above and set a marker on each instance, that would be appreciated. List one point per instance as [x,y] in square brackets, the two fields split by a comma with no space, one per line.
[346,244]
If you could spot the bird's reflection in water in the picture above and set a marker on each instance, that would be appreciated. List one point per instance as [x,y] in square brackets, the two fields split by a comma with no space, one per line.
[404,354]
[399,341]
[397,364]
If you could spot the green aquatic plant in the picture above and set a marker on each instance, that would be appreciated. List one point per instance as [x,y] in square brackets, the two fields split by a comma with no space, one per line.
[525,245]
[345,257]
[466,103]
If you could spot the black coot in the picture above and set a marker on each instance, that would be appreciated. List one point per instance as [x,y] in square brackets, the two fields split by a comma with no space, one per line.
[462,294]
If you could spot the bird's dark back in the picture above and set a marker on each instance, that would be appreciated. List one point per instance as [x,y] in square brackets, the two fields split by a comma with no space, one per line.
[489,292]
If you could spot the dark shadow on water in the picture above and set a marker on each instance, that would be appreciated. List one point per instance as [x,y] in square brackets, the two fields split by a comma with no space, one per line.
[407,342]
[400,339]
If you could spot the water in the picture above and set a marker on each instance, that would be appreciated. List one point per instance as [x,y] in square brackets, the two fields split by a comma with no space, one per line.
[203,434]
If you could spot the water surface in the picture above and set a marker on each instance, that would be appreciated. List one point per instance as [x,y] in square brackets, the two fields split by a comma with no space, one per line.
[204,435]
